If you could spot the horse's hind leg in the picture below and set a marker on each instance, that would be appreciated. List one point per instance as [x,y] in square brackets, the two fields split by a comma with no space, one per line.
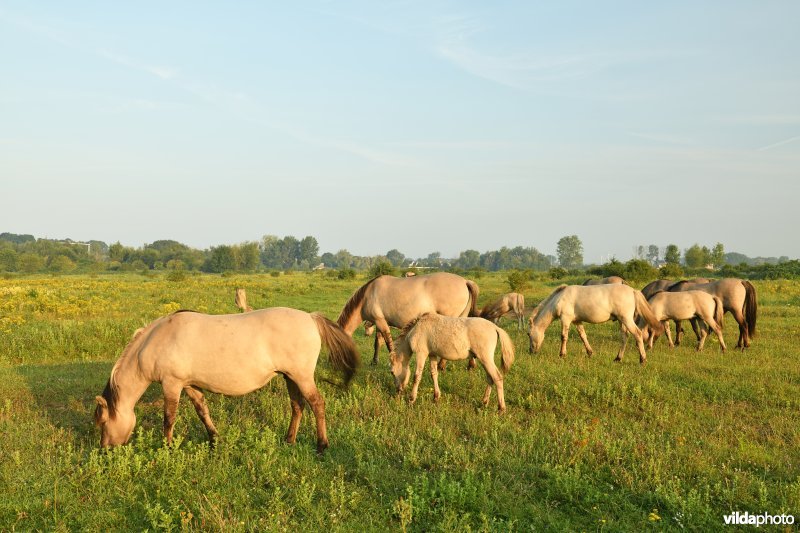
[718,330]
[493,376]
[383,329]
[584,338]
[744,335]
[435,378]
[298,403]
[172,396]
[200,406]
[678,332]
[309,391]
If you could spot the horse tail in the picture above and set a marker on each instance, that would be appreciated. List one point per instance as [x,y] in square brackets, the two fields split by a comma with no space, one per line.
[719,310]
[342,351]
[507,349]
[473,289]
[750,309]
[646,312]
[354,304]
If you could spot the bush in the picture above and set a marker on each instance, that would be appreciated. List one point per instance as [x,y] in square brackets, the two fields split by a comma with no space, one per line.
[557,273]
[670,271]
[518,280]
[381,268]
[639,270]
[346,273]
[176,276]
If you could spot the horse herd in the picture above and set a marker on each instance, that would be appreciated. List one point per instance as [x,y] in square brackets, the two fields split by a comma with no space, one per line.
[439,320]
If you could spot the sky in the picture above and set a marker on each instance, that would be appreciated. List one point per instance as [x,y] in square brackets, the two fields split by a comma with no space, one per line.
[425,126]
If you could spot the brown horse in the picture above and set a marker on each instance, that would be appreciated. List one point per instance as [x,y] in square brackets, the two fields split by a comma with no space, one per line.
[451,338]
[685,305]
[610,280]
[663,284]
[513,302]
[387,301]
[226,354]
[738,298]
[593,304]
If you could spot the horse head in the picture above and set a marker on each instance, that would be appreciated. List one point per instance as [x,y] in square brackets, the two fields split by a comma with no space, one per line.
[115,427]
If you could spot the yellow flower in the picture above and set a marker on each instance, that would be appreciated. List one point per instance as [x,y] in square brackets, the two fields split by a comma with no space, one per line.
[653,516]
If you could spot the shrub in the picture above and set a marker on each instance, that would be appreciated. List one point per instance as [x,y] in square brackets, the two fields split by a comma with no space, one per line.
[639,270]
[518,280]
[670,270]
[346,273]
[176,276]
[381,268]
[557,273]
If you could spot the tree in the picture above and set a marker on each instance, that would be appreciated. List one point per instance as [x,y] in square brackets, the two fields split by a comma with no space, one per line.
[395,257]
[29,262]
[468,259]
[434,259]
[652,254]
[308,251]
[570,251]
[695,256]
[62,263]
[718,255]
[247,256]
[222,259]
[8,260]
[672,255]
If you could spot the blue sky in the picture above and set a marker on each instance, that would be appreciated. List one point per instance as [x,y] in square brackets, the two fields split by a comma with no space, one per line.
[423,126]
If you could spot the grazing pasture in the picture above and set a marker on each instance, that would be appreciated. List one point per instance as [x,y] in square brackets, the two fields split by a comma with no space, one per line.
[585,443]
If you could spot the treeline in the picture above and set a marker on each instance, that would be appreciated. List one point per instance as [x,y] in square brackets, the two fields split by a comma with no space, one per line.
[25,253]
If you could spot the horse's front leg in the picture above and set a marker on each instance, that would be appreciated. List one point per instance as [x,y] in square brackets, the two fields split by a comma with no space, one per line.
[172,396]
[678,332]
[696,327]
[383,330]
[584,338]
[669,334]
[422,357]
[297,403]
[200,406]
[564,336]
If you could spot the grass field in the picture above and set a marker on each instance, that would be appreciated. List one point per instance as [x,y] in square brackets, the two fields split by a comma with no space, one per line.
[586,444]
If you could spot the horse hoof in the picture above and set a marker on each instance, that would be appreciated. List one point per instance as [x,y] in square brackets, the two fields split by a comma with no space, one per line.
[618,359]
[321,447]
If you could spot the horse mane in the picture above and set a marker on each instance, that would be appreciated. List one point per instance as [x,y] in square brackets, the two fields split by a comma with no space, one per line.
[408,327]
[352,304]
[676,285]
[111,390]
[658,291]
[547,300]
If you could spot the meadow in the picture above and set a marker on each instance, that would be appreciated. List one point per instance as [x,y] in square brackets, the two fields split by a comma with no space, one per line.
[585,445]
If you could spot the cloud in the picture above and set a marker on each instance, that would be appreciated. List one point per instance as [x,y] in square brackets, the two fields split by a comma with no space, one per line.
[779,143]
[165,73]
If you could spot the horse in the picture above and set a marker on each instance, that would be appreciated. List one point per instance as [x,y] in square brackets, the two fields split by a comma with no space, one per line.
[610,280]
[226,354]
[240,299]
[685,306]
[451,338]
[409,274]
[387,301]
[594,304]
[663,284]
[513,302]
[738,297]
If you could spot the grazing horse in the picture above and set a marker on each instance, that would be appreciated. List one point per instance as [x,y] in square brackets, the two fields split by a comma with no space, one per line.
[610,280]
[513,302]
[241,301]
[738,297]
[685,306]
[593,304]
[226,354]
[442,337]
[387,301]
[663,284]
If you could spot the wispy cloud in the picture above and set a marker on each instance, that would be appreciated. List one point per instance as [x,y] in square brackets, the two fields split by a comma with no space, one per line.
[163,72]
[777,119]
[779,143]
[665,139]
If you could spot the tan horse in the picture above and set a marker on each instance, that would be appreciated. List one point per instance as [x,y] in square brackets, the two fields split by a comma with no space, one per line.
[738,298]
[513,302]
[226,354]
[685,306]
[451,338]
[610,280]
[387,301]
[594,304]
[241,301]
[663,284]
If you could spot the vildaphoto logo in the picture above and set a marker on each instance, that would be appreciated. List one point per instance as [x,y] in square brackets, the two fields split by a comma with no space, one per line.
[763,519]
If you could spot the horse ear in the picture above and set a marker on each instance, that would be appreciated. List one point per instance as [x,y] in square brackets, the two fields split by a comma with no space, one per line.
[101,412]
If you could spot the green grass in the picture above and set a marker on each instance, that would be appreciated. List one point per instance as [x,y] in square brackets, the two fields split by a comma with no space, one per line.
[586,444]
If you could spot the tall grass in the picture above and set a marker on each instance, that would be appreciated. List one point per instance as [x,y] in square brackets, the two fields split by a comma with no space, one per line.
[586,444]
